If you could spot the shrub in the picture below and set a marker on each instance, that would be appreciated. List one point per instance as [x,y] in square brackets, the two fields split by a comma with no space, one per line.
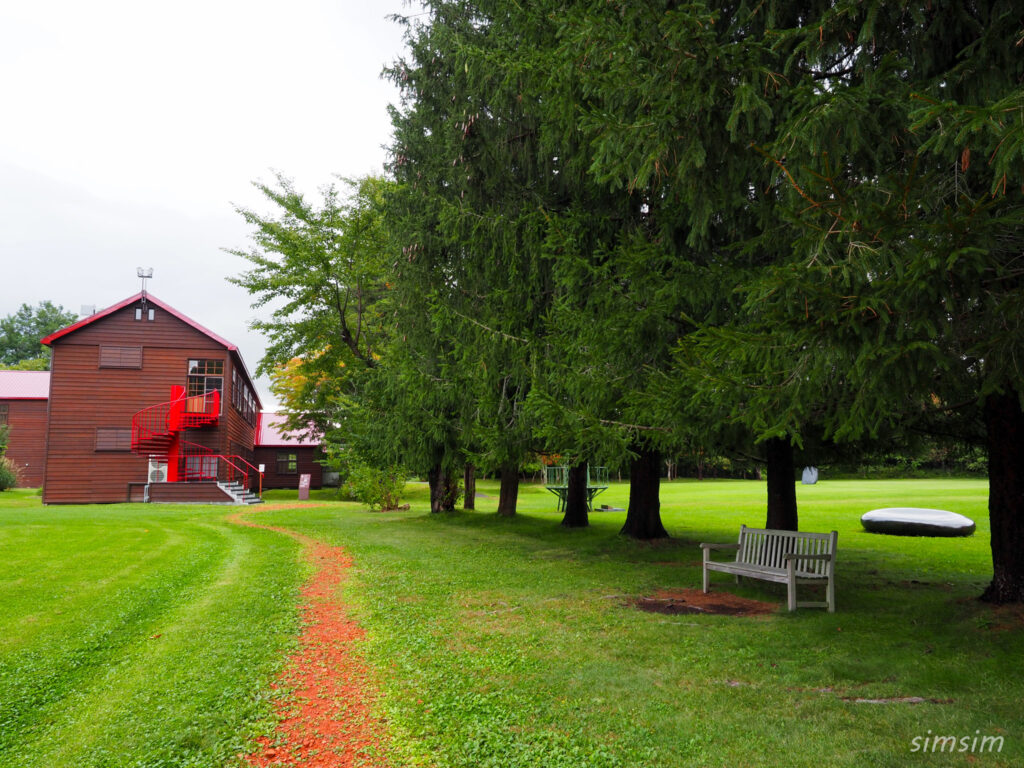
[377,488]
[8,474]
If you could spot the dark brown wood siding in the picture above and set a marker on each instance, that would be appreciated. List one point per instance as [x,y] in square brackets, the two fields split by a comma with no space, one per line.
[85,397]
[181,493]
[26,447]
[307,465]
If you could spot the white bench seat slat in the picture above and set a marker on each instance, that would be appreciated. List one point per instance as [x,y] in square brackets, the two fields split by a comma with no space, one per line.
[785,557]
[780,575]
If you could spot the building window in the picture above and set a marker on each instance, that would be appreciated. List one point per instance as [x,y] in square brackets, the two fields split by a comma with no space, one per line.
[120,357]
[201,467]
[242,398]
[113,439]
[287,463]
[4,407]
[150,313]
[205,376]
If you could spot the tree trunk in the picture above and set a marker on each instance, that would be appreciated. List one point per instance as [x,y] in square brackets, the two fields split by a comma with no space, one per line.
[1004,424]
[576,498]
[449,491]
[643,517]
[435,478]
[444,489]
[469,487]
[781,485]
[509,490]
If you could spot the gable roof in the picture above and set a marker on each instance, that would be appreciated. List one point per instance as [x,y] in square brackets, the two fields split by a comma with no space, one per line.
[24,385]
[150,298]
[271,431]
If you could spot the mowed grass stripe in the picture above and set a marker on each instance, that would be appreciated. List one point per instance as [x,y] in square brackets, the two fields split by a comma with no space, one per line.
[36,679]
[79,563]
[167,657]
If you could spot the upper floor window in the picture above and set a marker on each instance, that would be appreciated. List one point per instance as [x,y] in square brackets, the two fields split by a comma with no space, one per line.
[205,376]
[242,397]
[149,313]
[4,407]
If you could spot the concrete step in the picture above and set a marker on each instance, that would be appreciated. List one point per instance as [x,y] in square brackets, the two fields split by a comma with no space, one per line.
[240,494]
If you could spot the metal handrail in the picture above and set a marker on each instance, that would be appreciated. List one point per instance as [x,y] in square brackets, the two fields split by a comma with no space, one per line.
[166,418]
[229,461]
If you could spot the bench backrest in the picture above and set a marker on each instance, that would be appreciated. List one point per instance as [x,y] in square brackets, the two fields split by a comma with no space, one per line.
[766,548]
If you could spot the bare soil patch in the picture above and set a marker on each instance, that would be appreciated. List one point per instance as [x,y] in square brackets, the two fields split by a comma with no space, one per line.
[326,719]
[676,601]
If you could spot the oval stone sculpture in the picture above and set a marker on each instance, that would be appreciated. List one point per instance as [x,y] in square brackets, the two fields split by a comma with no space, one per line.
[915,521]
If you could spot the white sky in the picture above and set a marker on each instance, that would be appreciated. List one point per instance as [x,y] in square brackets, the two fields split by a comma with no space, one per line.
[129,131]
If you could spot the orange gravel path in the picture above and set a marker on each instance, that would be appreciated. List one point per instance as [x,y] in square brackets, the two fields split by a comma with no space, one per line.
[327,720]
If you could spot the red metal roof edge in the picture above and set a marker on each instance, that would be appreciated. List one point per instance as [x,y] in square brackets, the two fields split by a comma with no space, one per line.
[48,340]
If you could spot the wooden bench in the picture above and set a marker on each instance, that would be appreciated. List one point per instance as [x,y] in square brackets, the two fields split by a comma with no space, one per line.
[785,557]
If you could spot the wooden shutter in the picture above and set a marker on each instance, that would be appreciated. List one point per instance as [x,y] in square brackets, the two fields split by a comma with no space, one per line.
[120,357]
[113,439]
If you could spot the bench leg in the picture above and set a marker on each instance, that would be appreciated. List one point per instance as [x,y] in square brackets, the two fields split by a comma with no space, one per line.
[707,581]
[831,595]
[791,585]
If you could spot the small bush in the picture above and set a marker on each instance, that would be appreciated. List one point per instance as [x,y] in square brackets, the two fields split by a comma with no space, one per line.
[377,488]
[8,474]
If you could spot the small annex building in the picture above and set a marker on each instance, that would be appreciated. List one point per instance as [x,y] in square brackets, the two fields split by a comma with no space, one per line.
[145,404]
[23,402]
[285,454]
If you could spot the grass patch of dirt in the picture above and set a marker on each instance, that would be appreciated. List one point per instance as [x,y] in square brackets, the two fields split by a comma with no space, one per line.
[676,601]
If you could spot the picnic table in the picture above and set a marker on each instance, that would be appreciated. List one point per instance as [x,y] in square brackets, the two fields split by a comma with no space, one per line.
[556,480]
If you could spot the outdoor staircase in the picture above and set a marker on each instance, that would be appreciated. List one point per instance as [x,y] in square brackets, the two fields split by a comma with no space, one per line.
[156,431]
[240,493]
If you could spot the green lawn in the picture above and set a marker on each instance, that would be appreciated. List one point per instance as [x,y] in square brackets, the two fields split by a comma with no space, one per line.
[505,642]
[511,642]
[137,635]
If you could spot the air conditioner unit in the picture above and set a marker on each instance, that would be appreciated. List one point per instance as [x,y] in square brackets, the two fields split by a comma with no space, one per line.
[157,471]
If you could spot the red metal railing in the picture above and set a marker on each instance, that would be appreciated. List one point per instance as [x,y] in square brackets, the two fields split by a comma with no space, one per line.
[154,428]
[197,462]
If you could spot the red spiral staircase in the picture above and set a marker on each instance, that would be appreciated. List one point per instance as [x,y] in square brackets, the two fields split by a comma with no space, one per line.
[158,432]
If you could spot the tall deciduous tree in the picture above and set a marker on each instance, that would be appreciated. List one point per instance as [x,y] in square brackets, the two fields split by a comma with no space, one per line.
[323,269]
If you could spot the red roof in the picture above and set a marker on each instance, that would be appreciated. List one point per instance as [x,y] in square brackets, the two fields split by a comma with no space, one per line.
[122,304]
[271,431]
[24,385]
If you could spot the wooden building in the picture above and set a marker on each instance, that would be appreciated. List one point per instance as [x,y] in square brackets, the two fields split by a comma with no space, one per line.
[147,405]
[23,399]
[286,455]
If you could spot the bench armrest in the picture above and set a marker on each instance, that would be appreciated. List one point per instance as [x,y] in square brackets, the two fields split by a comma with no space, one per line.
[795,556]
[706,546]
